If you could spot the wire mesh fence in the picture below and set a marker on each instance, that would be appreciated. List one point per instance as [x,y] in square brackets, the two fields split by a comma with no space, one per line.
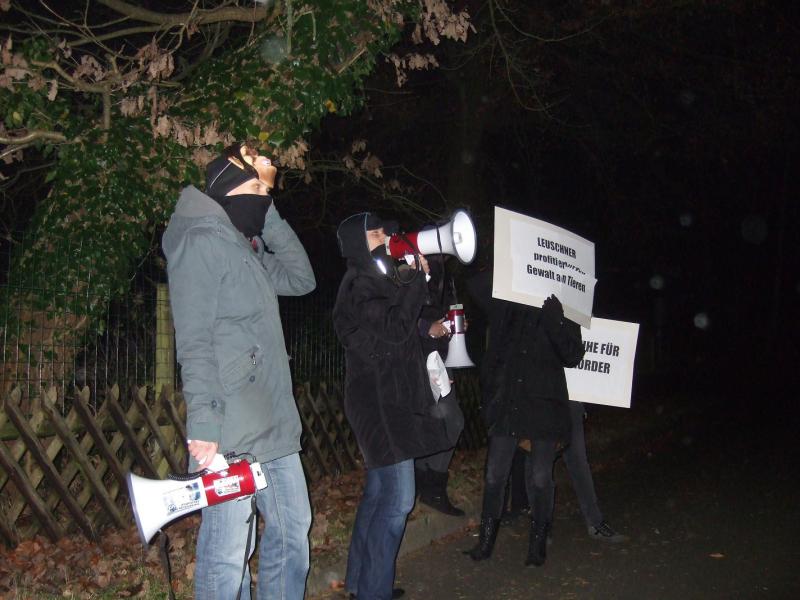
[91,390]
[128,341]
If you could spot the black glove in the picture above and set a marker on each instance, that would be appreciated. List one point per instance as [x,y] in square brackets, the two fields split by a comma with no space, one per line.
[552,313]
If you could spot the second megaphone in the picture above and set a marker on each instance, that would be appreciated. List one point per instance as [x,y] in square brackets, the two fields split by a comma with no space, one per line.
[456,237]
[457,356]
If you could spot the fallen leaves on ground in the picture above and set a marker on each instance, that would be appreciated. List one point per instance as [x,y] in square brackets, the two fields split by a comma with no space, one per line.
[75,567]
[116,564]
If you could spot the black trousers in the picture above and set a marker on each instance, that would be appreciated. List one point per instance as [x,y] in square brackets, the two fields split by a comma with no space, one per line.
[577,463]
[539,481]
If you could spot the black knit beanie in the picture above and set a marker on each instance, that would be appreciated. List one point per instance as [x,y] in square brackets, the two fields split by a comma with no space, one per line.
[222,176]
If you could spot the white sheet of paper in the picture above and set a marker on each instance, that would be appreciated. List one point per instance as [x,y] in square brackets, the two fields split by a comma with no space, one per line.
[534,259]
[605,375]
[437,373]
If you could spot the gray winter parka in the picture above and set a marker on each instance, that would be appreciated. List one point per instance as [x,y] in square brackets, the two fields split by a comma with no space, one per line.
[229,339]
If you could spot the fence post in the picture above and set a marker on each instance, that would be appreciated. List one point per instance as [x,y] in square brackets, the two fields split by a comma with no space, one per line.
[165,341]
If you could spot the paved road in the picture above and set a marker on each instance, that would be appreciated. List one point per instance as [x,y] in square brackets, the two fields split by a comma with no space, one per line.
[713,511]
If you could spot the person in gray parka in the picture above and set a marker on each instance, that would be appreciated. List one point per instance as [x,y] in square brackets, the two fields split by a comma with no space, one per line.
[229,256]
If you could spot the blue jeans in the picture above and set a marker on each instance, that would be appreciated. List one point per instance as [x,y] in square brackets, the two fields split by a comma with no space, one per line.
[283,559]
[378,530]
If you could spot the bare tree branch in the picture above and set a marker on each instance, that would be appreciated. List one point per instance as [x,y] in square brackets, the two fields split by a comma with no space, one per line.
[32,136]
[217,39]
[115,34]
[510,66]
[228,13]
[98,88]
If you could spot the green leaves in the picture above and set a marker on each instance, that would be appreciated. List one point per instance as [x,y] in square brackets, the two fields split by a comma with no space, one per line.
[113,185]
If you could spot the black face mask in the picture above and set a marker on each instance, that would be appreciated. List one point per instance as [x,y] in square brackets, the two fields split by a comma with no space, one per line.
[247,212]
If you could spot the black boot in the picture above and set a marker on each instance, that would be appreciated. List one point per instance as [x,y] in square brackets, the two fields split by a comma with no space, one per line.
[537,544]
[434,494]
[487,536]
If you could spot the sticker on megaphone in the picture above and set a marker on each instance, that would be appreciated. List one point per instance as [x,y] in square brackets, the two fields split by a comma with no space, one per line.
[157,502]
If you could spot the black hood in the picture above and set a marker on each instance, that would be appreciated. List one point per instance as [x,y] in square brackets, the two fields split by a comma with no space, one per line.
[352,237]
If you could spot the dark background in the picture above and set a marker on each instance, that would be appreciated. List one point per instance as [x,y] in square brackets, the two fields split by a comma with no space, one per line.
[665,134]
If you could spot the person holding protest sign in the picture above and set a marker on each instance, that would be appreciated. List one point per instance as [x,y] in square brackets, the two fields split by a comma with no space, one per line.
[580,473]
[525,401]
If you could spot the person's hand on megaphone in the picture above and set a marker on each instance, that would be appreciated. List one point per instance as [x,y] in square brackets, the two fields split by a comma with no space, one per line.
[439,329]
[423,264]
[203,452]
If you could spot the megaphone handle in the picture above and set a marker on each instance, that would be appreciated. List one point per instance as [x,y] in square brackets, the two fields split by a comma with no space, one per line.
[251,525]
[187,476]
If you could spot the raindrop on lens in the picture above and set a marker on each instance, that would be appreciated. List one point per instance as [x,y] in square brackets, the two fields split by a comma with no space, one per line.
[754,229]
[686,219]
[273,50]
[686,98]
[657,282]
[701,321]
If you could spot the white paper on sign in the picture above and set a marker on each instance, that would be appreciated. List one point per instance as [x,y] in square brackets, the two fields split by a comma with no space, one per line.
[534,259]
[605,374]
[437,373]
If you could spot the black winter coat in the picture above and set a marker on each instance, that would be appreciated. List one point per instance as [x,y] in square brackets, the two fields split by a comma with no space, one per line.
[441,297]
[388,397]
[524,389]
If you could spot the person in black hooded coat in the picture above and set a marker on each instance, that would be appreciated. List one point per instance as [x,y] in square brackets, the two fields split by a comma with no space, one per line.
[524,401]
[388,397]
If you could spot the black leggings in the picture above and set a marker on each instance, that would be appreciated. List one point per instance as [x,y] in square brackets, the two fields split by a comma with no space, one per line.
[538,477]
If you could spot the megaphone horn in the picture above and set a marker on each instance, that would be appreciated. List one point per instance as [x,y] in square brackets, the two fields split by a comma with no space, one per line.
[457,356]
[456,237]
[156,502]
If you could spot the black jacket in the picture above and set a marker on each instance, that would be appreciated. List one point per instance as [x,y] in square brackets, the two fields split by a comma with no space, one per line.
[524,389]
[388,398]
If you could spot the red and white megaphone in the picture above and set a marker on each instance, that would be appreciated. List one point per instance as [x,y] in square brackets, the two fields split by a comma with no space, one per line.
[456,237]
[457,356]
[156,502]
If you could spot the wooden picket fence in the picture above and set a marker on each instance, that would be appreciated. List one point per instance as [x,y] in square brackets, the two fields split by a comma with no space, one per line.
[64,459]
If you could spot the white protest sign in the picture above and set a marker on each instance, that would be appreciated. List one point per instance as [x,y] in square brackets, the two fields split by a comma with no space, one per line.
[605,374]
[534,259]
